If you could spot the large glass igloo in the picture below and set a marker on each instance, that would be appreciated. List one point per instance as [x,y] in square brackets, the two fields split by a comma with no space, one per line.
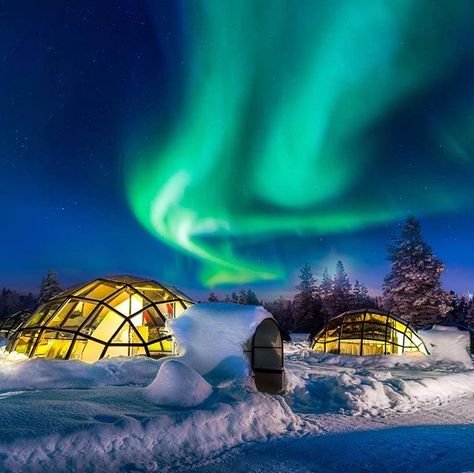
[113,316]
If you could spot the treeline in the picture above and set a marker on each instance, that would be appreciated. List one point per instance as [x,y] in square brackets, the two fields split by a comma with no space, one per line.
[314,303]
[12,301]
[412,289]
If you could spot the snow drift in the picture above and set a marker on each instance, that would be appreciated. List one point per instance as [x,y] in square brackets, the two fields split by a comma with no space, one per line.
[178,385]
[212,338]
[448,345]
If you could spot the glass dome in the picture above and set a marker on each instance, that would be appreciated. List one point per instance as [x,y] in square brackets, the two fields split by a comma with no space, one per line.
[114,316]
[367,332]
[9,324]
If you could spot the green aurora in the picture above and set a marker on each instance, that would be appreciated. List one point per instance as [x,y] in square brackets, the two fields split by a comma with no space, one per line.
[277,129]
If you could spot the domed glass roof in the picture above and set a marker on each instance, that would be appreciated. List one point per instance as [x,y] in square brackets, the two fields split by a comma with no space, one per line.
[113,316]
[367,332]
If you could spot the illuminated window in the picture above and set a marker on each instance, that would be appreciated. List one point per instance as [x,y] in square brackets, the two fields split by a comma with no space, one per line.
[117,316]
[367,333]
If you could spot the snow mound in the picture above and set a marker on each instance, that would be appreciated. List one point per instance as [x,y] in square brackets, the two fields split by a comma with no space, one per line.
[19,373]
[178,385]
[119,429]
[448,345]
[376,393]
[212,337]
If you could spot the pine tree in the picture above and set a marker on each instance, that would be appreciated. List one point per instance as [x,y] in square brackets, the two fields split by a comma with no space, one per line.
[341,296]
[412,289]
[307,303]
[212,297]
[459,310]
[282,310]
[469,319]
[360,296]
[325,290]
[49,287]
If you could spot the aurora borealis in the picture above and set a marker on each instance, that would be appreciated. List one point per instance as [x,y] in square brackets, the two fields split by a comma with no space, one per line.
[212,143]
[276,135]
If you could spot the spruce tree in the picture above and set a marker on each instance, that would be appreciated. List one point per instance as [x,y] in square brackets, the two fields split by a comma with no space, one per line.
[360,296]
[307,303]
[50,287]
[325,290]
[282,310]
[341,296]
[213,297]
[412,289]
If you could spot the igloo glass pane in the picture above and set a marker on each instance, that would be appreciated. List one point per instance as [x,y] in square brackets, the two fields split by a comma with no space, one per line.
[98,291]
[127,302]
[43,314]
[351,330]
[78,314]
[103,325]
[372,347]
[374,331]
[349,347]
[24,343]
[86,350]
[153,292]
[53,344]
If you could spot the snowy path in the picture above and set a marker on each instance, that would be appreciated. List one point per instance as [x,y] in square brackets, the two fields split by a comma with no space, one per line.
[433,440]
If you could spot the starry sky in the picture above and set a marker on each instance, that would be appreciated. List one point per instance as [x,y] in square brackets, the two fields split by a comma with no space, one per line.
[224,144]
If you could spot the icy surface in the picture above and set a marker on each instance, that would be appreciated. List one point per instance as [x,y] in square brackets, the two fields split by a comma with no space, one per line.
[178,385]
[448,345]
[212,337]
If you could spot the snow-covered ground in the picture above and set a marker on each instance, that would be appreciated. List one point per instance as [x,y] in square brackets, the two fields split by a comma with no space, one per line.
[137,414]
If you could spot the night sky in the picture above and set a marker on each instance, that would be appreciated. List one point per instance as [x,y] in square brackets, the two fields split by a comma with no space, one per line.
[225,143]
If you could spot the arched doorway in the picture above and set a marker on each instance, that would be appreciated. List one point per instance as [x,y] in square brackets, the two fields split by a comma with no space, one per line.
[267,357]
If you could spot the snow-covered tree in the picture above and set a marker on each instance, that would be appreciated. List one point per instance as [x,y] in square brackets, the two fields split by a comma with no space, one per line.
[412,289]
[307,303]
[50,287]
[213,297]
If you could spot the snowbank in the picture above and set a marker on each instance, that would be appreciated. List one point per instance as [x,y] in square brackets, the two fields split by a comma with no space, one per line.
[20,373]
[448,345]
[369,386]
[178,385]
[212,336]
[119,429]
[372,393]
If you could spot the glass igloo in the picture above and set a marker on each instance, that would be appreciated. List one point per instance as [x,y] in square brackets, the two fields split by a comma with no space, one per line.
[367,332]
[113,316]
[9,324]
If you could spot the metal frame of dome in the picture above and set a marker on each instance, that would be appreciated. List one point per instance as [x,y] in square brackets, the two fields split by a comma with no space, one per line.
[10,323]
[370,328]
[101,318]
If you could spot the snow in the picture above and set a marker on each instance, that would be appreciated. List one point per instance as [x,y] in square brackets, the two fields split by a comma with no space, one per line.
[371,386]
[448,345]
[189,411]
[178,385]
[212,337]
